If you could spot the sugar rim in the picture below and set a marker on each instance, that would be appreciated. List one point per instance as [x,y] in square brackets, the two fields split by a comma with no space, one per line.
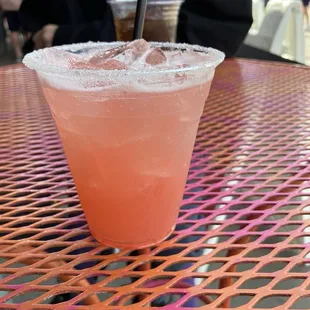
[34,61]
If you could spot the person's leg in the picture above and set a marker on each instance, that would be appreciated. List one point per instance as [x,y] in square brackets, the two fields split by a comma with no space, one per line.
[306,15]
[14,27]
[305,12]
[16,44]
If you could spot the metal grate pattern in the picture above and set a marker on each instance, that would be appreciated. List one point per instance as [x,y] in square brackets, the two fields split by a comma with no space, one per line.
[243,235]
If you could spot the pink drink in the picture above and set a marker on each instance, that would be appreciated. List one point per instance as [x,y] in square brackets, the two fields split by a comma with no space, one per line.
[129,139]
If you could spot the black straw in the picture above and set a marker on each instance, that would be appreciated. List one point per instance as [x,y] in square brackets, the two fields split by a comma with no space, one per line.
[139,20]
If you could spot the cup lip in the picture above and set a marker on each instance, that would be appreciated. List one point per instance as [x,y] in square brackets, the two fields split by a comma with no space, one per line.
[34,61]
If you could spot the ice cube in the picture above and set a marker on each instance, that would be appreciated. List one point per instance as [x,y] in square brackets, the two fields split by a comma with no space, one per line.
[108,64]
[125,57]
[125,53]
[101,56]
[119,58]
[132,52]
[138,47]
[155,57]
[113,64]
[60,57]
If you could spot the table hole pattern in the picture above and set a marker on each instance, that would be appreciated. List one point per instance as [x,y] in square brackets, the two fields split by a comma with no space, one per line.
[242,240]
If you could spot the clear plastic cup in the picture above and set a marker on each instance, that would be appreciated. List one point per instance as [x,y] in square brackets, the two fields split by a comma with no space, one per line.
[160,20]
[128,137]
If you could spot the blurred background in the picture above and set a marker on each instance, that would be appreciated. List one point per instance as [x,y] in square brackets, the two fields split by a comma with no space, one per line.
[280,29]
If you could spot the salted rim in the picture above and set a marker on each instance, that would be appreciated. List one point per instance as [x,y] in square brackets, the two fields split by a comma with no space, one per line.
[34,61]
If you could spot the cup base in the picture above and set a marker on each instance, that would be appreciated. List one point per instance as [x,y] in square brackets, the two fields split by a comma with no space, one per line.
[130,246]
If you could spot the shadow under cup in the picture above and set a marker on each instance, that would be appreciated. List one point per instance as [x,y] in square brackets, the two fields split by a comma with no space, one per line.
[128,137]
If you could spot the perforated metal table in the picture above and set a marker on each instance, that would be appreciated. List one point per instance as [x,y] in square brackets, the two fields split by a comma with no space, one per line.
[243,233]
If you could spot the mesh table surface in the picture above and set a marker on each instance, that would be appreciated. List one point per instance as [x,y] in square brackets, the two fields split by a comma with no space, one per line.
[243,234]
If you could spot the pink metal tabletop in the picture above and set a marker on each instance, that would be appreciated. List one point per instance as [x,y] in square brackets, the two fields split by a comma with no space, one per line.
[243,235]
